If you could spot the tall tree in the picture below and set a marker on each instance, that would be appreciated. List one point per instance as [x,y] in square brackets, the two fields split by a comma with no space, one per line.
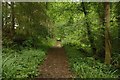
[100,11]
[90,37]
[107,34]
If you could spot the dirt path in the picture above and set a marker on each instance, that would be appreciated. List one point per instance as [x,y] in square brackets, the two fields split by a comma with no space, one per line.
[55,64]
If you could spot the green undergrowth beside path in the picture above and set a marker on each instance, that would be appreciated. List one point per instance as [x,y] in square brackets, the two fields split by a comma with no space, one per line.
[87,67]
[21,64]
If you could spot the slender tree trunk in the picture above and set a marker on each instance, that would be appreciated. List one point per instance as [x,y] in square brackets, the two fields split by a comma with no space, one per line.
[12,30]
[107,34]
[4,16]
[90,37]
[118,21]
[5,28]
[119,34]
[6,8]
[102,29]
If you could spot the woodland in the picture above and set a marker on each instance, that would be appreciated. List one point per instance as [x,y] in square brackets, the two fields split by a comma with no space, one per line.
[88,34]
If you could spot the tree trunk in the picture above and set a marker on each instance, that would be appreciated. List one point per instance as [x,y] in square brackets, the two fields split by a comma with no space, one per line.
[12,30]
[90,37]
[118,34]
[118,21]
[6,12]
[107,35]
[101,52]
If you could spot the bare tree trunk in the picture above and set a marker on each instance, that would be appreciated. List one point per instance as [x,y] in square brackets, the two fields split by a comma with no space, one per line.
[107,34]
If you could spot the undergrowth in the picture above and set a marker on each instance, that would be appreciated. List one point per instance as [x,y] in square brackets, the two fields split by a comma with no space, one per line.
[22,64]
[87,67]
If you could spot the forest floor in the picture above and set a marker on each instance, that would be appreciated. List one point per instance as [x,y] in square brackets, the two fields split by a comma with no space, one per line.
[55,64]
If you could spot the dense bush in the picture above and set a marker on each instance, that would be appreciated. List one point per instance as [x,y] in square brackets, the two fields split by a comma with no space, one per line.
[87,67]
[21,64]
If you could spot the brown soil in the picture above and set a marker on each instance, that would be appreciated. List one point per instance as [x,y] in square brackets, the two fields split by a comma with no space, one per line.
[55,64]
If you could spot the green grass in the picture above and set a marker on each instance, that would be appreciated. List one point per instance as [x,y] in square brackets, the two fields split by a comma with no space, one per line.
[87,67]
[22,64]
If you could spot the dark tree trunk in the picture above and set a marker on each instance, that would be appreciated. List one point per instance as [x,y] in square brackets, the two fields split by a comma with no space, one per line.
[90,37]
[118,21]
[119,34]
[12,30]
[101,52]
[6,8]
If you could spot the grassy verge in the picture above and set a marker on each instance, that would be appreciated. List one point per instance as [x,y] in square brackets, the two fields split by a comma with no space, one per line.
[22,64]
[87,67]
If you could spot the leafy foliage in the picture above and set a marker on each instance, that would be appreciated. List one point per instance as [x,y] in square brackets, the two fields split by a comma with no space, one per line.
[21,64]
[87,67]
[29,29]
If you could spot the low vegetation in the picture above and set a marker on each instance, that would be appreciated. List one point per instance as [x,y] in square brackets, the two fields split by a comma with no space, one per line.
[22,64]
[87,67]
